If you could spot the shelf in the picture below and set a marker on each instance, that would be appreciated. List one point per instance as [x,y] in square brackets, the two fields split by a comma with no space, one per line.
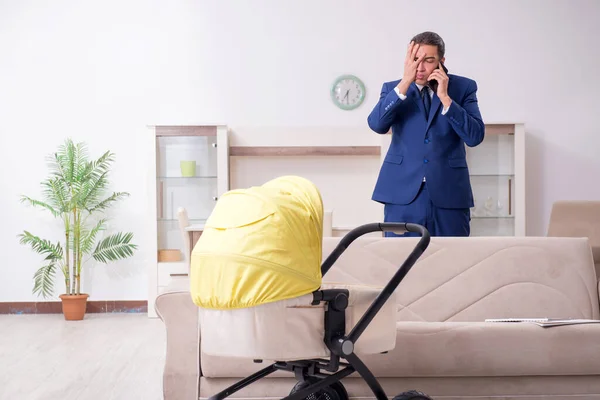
[493,217]
[172,264]
[493,227]
[499,129]
[197,226]
[183,130]
[491,129]
[254,151]
[169,178]
[198,221]
[492,175]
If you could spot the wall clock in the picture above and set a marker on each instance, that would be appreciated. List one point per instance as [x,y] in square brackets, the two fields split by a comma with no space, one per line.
[348,92]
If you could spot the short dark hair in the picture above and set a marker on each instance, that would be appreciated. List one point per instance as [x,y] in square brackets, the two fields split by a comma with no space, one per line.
[432,39]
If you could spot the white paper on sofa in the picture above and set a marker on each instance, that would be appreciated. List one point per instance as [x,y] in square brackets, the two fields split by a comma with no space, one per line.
[547,322]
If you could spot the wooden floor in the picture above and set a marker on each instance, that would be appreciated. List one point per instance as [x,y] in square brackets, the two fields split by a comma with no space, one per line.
[104,357]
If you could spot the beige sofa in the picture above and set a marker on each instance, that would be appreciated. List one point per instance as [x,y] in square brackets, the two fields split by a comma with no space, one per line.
[443,348]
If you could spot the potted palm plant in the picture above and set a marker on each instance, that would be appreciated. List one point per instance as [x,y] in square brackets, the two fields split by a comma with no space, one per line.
[76,192]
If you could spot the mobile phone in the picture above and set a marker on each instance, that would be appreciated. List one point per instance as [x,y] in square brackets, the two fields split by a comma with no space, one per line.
[433,84]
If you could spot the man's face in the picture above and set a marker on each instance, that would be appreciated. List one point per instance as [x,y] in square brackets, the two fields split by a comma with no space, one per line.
[429,63]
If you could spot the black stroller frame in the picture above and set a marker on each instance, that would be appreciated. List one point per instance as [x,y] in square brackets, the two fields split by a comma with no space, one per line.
[310,373]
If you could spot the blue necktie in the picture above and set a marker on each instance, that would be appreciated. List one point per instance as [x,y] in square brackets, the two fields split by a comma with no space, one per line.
[426,100]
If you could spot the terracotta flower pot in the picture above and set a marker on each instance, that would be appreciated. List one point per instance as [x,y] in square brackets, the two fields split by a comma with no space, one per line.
[73,306]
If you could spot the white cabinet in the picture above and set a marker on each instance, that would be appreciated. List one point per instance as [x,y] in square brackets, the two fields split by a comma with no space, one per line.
[497,169]
[192,171]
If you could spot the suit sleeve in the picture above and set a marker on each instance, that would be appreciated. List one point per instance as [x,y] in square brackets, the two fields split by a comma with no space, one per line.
[466,119]
[383,114]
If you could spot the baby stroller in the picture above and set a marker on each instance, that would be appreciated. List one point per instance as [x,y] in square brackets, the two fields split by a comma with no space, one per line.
[256,276]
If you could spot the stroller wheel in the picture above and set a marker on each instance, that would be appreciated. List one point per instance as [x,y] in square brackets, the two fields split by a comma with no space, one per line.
[335,391]
[412,395]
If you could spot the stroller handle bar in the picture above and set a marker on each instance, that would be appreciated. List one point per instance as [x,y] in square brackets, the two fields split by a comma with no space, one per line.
[398,228]
[395,227]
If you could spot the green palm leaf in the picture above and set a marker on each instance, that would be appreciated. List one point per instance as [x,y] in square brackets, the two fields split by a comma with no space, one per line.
[69,162]
[91,190]
[104,204]
[100,166]
[53,252]
[94,181]
[114,247]
[37,203]
[44,280]
[63,160]
[57,194]
[57,166]
[89,237]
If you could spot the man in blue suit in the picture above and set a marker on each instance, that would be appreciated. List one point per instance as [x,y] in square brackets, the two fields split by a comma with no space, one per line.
[424,178]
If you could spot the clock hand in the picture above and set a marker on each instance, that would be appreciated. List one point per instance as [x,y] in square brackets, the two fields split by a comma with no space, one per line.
[347,92]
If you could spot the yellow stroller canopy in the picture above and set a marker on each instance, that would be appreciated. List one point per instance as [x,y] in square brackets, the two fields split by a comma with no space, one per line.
[259,245]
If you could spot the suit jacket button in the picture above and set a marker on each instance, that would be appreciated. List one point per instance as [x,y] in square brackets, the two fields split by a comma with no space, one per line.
[425,161]
[426,141]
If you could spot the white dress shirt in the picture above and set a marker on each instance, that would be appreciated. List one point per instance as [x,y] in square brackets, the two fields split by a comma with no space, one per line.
[403,97]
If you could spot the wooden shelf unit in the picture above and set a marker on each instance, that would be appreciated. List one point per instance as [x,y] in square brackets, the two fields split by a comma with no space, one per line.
[500,129]
[286,151]
[170,188]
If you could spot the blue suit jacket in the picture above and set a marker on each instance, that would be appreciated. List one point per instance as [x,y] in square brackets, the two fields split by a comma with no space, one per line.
[433,148]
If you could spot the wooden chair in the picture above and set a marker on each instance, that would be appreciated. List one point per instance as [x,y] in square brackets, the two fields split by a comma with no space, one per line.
[184,221]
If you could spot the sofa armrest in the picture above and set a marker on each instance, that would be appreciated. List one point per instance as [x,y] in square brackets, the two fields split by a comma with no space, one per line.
[182,365]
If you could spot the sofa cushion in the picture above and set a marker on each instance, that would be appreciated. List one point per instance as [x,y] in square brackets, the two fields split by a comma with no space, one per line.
[443,349]
[490,349]
[472,279]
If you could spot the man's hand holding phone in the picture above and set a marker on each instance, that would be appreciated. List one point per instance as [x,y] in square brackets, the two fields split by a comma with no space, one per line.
[411,63]
[442,87]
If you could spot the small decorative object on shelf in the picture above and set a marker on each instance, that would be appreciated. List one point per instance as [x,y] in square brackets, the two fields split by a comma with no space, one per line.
[188,168]
[489,206]
[169,255]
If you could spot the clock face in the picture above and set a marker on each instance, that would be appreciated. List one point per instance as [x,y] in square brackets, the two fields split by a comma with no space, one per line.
[347,92]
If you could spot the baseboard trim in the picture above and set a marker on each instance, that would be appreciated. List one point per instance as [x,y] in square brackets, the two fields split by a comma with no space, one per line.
[55,307]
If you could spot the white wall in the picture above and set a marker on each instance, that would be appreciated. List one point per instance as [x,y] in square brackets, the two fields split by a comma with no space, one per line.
[101,71]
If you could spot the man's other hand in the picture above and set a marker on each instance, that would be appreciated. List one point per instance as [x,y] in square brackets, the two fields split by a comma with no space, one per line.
[442,90]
